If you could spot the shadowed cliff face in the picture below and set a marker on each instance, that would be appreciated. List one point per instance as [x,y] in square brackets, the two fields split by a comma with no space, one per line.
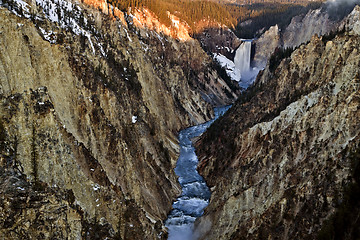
[277,162]
[89,120]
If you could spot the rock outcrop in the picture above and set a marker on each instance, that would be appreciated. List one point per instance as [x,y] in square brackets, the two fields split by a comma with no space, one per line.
[146,19]
[301,29]
[265,45]
[90,108]
[351,23]
[278,163]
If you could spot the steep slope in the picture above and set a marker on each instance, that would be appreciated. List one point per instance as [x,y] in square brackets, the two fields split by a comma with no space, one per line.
[265,45]
[302,28]
[90,108]
[278,161]
[321,21]
[299,31]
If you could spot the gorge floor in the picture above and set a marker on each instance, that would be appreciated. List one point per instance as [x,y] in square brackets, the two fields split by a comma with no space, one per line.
[195,193]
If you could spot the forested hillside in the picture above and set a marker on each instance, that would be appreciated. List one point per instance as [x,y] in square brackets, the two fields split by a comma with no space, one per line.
[232,14]
[249,2]
[187,10]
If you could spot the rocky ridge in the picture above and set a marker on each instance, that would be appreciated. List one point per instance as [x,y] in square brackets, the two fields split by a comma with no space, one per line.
[299,31]
[278,161]
[265,45]
[302,28]
[90,108]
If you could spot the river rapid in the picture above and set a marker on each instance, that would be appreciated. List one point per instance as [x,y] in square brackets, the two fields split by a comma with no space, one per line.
[195,194]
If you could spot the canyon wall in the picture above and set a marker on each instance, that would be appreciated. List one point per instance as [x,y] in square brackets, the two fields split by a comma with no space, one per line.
[90,108]
[322,21]
[280,162]
[299,31]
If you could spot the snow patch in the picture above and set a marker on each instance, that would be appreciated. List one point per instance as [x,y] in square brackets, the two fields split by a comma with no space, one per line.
[95,186]
[66,14]
[134,119]
[48,36]
[229,66]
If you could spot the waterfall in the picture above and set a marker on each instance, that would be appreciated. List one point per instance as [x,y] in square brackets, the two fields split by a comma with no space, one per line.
[242,58]
[244,73]
[239,70]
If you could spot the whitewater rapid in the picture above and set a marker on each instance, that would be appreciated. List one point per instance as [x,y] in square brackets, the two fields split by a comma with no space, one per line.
[195,193]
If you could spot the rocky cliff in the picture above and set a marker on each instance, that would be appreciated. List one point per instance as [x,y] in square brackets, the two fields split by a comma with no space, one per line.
[265,45]
[299,31]
[302,28]
[283,161]
[321,21]
[90,106]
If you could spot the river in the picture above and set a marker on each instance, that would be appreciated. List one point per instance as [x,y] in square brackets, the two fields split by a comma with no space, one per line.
[195,193]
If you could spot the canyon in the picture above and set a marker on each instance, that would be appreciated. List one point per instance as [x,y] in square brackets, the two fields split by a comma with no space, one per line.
[96,105]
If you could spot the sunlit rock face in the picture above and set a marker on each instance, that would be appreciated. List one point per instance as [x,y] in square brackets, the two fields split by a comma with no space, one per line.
[265,45]
[278,162]
[90,108]
[106,8]
[145,19]
[351,23]
[301,29]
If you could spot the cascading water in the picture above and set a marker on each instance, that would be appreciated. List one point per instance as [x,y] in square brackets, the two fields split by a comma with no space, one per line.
[195,193]
[240,69]
[242,57]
